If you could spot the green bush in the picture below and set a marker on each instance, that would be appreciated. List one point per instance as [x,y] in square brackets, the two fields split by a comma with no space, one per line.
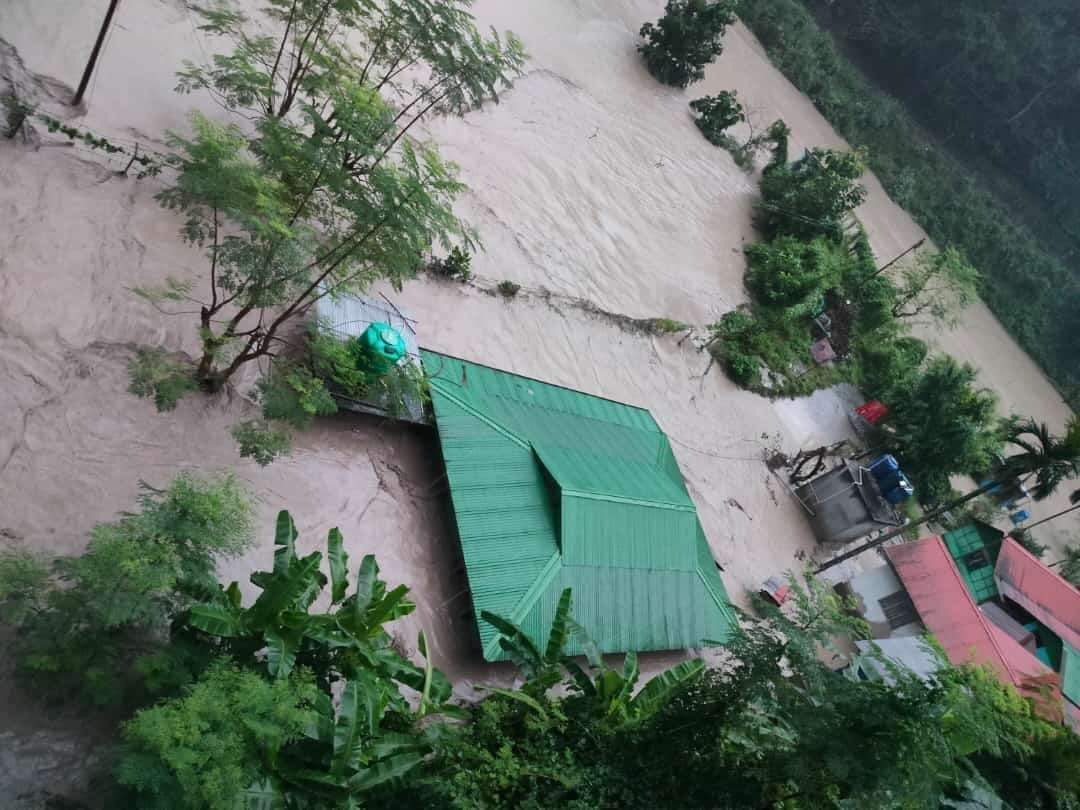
[789,272]
[716,114]
[293,394]
[685,39]
[455,265]
[161,376]
[508,289]
[261,441]
[811,197]
[83,624]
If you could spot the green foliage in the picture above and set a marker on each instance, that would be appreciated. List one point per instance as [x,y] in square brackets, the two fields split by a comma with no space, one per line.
[155,373]
[292,394]
[507,288]
[1027,541]
[16,111]
[325,191]
[1070,565]
[261,441]
[1050,459]
[942,425]
[667,326]
[150,164]
[888,367]
[686,39]
[811,197]
[716,114]
[285,740]
[937,285]
[1016,245]
[205,749]
[81,626]
[454,266]
[24,577]
[788,272]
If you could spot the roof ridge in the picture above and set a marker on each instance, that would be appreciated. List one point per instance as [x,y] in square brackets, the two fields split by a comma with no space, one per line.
[1046,569]
[983,620]
[472,411]
[529,599]
[543,382]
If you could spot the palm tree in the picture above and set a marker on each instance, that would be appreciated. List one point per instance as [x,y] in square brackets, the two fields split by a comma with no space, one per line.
[1050,459]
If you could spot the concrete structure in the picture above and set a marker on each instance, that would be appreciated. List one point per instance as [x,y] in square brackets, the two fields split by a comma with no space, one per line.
[883,603]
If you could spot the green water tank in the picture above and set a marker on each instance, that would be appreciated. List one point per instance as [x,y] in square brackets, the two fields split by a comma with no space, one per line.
[382,346]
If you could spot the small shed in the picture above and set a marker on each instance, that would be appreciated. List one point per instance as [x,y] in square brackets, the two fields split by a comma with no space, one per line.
[552,489]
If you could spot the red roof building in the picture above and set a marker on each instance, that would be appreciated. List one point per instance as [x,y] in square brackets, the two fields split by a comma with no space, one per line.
[1023,579]
[947,609]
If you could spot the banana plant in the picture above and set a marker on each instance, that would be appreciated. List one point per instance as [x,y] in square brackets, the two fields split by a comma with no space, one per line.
[610,692]
[347,640]
[345,750]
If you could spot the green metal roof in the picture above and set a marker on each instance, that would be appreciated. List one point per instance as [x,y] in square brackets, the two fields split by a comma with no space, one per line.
[1070,673]
[963,542]
[553,489]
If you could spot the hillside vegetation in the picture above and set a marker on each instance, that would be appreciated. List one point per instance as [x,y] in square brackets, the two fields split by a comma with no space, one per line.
[972,69]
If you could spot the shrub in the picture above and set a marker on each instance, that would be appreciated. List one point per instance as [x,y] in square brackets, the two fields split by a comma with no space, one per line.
[685,39]
[293,394]
[83,624]
[508,289]
[788,272]
[16,111]
[743,368]
[157,374]
[261,441]
[716,114]
[811,197]
[455,265]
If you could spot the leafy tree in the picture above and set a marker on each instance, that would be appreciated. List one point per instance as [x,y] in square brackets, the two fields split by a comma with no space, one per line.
[207,748]
[890,368]
[716,114]
[937,285]
[942,425]
[85,625]
[812,196]
[325,190]
[685,39]
[315,751]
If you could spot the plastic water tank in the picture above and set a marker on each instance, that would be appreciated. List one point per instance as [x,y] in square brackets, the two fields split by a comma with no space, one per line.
[882,466]
[382,346]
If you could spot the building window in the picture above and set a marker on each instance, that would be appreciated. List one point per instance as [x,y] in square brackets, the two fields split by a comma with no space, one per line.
[976,559]
[898,609]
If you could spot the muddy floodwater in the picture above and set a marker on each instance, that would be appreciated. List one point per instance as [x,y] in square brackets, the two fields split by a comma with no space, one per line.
[589,180]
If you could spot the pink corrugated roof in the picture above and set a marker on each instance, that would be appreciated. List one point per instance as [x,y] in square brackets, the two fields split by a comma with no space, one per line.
[948,610]
[1039,590]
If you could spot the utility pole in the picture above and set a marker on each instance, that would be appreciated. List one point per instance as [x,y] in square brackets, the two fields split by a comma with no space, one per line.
[95,53]
[886,266]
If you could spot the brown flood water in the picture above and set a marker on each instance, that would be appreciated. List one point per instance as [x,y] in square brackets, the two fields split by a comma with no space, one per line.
[588,179]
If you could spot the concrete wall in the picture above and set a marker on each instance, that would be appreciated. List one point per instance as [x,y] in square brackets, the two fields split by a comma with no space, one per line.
[870,587]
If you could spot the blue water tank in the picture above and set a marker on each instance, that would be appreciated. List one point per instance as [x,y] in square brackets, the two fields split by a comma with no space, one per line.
[900,492]
[882,466]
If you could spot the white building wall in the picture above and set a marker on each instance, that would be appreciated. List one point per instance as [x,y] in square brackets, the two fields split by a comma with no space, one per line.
[868,589]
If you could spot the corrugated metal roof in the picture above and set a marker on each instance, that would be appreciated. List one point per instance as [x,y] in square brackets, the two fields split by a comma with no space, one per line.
[1052,600]
[553,489]
[948,610]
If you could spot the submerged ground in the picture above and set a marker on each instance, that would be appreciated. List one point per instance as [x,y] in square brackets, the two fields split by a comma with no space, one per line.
[589,180]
